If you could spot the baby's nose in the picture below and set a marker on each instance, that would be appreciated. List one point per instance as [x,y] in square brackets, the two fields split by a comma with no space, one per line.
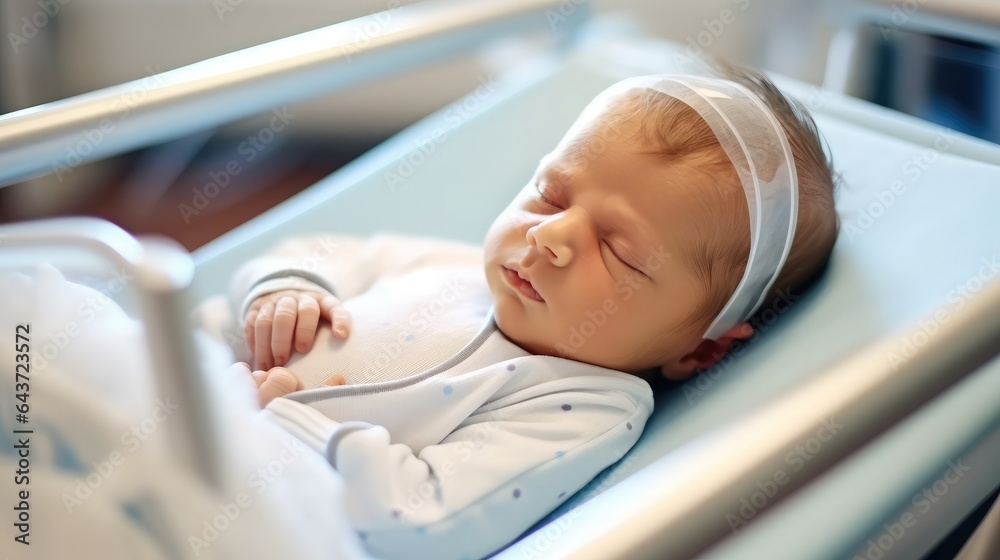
[558,254]
[556,237]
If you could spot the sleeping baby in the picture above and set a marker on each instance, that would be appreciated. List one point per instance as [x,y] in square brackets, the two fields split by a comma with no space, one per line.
[464,392]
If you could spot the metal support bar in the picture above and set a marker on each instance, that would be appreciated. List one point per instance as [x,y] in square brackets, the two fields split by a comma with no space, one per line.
[161,271]
[681,505]
[63,134]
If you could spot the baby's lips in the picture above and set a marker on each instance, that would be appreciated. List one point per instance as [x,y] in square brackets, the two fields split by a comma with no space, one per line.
[521,281]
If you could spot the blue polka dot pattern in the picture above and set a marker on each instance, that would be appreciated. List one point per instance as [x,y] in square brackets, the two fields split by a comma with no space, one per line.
[517,493]
[567,407]
[409,337]
[511,367]
[561,494]
[449,390]
[628,425]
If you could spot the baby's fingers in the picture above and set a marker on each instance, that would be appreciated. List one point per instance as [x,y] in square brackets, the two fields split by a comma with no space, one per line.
[282,329]
[335,380]
[248,331]
[259,376]
[340,318]
[305,326]
[279,382]
[262,337]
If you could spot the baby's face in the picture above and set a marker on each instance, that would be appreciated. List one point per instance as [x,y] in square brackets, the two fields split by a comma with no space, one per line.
[584,263]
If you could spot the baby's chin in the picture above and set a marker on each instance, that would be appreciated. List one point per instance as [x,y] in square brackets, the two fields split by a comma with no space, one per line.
[540,335]
[518,328]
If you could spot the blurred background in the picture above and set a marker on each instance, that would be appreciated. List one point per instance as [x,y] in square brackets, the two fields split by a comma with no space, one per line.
[887,52]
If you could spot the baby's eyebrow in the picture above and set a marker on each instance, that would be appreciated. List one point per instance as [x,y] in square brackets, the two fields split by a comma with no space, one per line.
[558,174]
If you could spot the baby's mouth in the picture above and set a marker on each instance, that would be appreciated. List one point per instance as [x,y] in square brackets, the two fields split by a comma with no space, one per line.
[520,284]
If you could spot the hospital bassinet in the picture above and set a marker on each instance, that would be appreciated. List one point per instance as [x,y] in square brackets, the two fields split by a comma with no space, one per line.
[861,420]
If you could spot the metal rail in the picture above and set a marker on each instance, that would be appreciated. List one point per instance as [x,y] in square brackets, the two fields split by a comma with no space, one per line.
[682,504]
[64,134]
[161,272]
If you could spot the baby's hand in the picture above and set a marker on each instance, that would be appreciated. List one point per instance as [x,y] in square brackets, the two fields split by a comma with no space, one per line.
[278,382]
[275,382]
[277,320]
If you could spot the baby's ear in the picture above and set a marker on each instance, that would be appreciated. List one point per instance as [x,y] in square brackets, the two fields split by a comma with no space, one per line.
[707,353]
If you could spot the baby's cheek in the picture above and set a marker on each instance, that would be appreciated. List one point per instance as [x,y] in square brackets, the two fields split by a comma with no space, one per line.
[596,296]
[584,312]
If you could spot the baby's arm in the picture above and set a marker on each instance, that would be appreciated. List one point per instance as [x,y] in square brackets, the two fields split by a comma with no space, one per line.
[496,474]
[314,269]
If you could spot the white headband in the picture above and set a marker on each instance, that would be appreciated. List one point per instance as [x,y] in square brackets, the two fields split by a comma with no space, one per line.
[757,147]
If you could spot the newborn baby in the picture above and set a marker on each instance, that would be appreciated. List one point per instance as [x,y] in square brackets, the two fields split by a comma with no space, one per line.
[465,392]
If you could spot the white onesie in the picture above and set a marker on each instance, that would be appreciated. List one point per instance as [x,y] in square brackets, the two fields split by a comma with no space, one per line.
[452,440]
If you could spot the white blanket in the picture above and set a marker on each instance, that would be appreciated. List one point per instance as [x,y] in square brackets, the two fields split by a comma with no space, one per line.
[98,472]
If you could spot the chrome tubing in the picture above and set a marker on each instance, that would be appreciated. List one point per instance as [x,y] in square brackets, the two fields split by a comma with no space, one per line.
[63,134]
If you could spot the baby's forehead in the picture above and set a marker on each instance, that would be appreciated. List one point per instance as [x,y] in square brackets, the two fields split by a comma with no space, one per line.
[693,193]
[646,119]
[635,168]
[626,108]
